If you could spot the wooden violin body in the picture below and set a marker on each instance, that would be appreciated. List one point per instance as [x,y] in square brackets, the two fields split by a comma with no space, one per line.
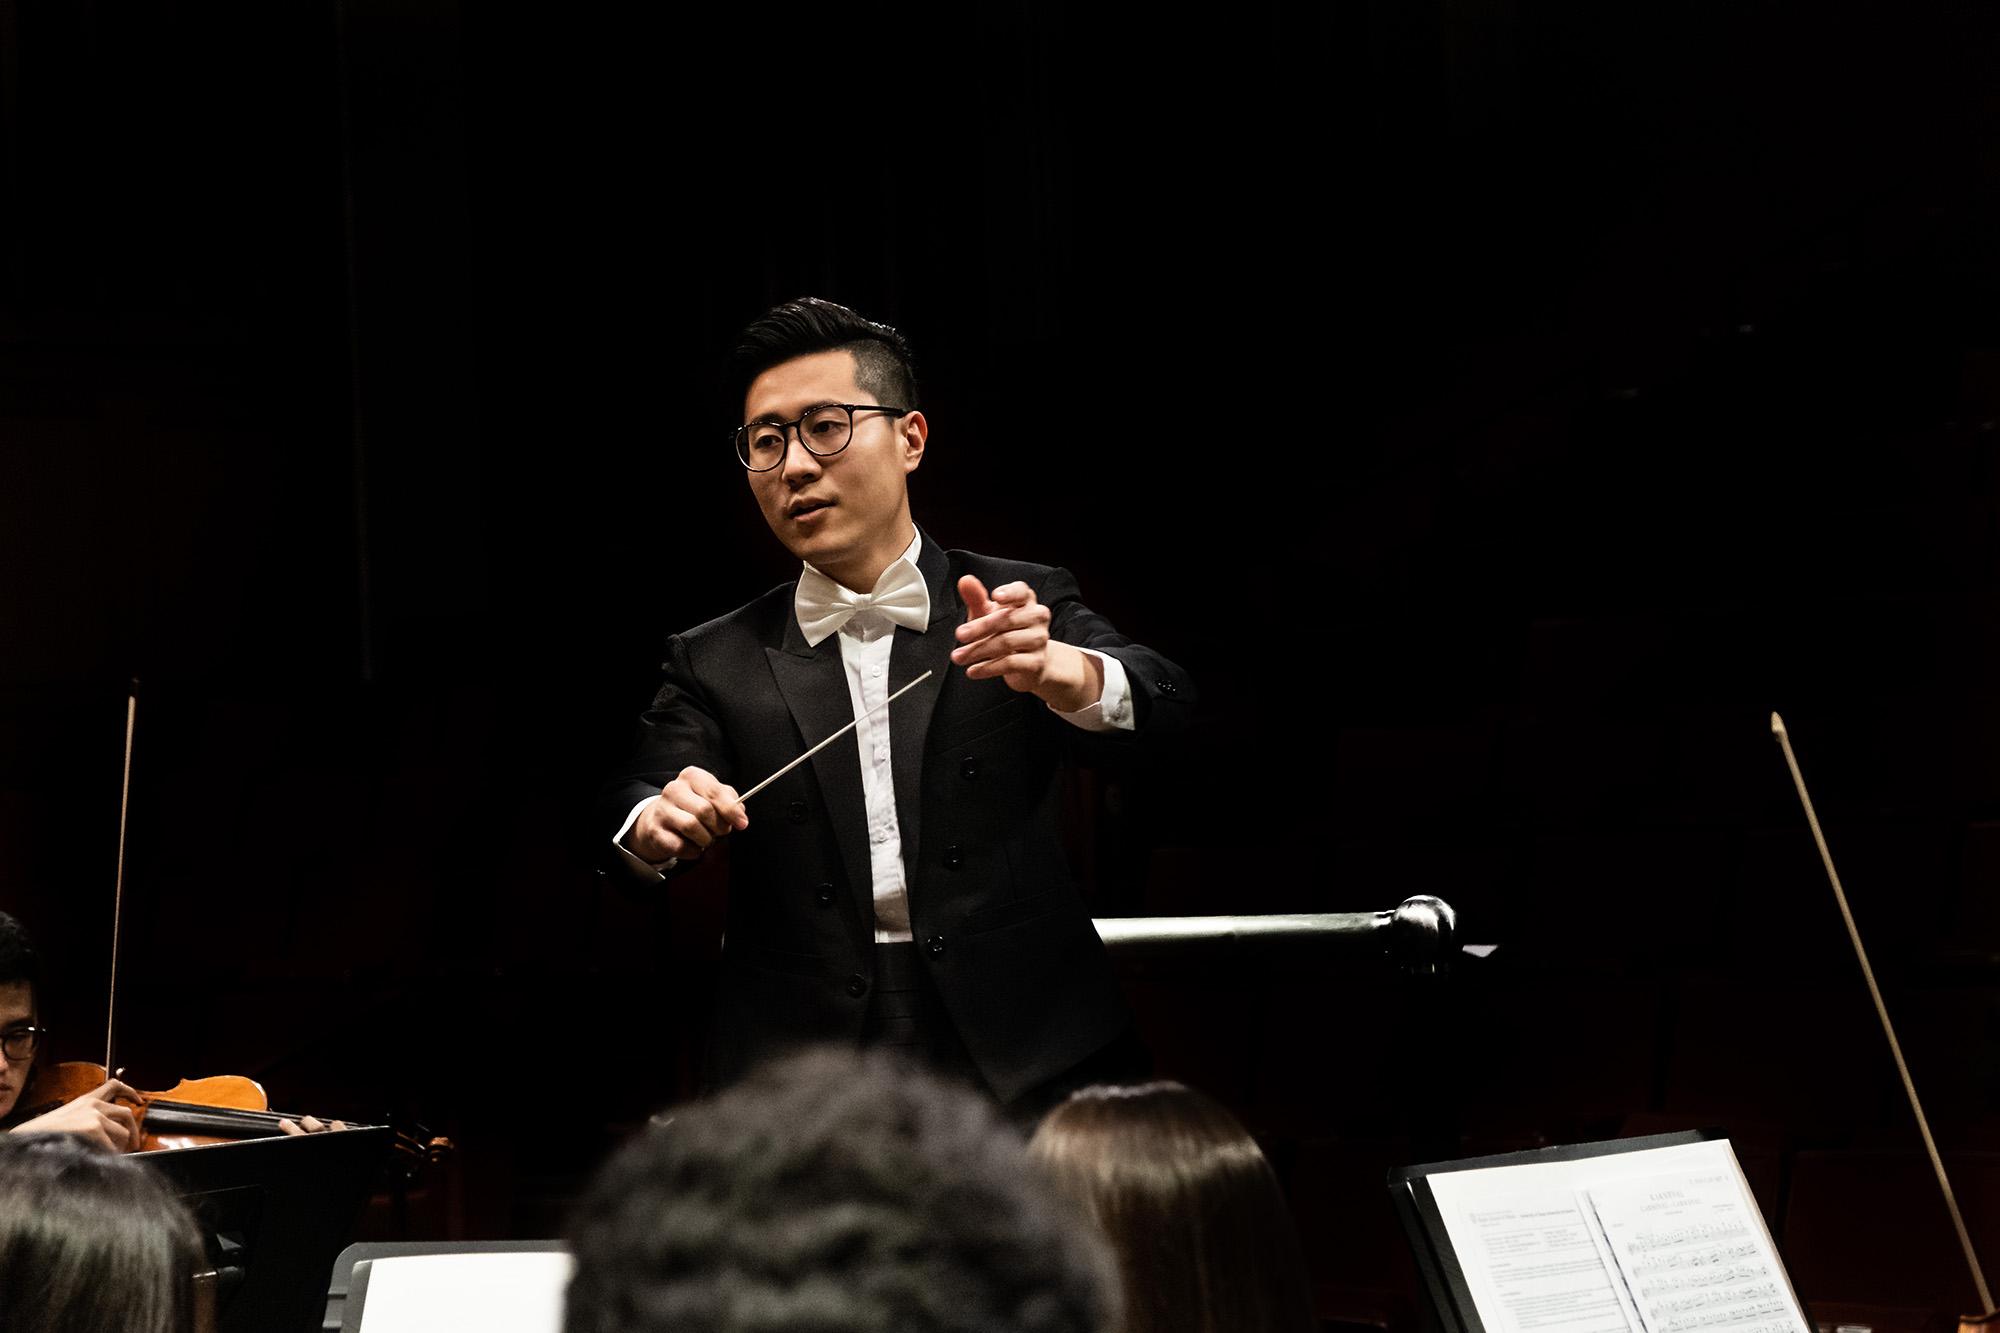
[222,1108]
[219,1109]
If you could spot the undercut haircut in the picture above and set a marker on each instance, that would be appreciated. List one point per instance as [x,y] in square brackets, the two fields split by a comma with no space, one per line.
[834,1192]
[1204,1240]
[91,1241]
[883,366]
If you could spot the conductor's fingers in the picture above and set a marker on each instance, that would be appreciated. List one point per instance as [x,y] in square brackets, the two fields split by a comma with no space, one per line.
[1004,616]
[973,593]
[1001,645]
[685,824]
[725,808]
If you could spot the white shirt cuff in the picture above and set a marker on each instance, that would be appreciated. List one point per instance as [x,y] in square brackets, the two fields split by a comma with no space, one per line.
[644,869]
[1113,709]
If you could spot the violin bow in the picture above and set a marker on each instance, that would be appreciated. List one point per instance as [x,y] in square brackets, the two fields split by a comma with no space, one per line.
[1882,1012]
[118,894]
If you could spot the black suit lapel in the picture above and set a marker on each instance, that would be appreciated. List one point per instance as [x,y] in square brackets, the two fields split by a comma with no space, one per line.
[814,684]
[910,656]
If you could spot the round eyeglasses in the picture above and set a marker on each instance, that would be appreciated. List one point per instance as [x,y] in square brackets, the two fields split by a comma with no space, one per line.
[21,1043]
[824,431]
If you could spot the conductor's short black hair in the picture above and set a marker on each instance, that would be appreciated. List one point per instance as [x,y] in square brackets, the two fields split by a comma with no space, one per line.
[883,366]
[834,1192]
[18,959]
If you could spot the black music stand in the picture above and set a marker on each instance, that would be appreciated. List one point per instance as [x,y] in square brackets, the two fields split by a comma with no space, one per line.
[274,1213]
[1430,1239]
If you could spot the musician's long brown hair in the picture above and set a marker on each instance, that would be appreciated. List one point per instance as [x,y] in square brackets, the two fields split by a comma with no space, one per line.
[1205,1243]
[91,1242]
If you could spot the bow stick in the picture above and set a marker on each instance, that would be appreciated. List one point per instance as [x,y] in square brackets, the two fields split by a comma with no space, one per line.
[118,892]
[1882,1012]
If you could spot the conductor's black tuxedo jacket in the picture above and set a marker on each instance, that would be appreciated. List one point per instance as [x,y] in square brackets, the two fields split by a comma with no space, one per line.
[996,918]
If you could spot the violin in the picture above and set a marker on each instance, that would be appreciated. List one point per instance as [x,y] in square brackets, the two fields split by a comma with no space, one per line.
[223,1108]
[194,1112]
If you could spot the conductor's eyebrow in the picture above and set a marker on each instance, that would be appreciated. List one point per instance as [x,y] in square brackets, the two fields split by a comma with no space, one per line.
[773,419]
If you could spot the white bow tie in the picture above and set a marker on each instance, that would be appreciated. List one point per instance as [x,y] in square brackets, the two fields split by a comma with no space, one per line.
[823,606]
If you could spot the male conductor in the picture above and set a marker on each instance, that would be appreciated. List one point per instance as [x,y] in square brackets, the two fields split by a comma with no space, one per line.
[906,887]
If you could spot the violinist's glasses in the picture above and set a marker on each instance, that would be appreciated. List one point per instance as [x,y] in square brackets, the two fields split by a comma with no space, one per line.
[21,1043]
[824,431]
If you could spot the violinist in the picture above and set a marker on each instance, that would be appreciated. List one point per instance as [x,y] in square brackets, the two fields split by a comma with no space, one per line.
[105,1114]
[100,1116]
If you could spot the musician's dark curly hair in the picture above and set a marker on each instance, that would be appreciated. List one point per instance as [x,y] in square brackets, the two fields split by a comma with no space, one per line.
[834,1192]
[18,959]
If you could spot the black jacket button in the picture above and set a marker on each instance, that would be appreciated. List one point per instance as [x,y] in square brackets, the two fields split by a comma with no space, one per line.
[799,813]
[968,768]
[953,857]
[935,945]
[857,986]
[823,895]
[1165,686]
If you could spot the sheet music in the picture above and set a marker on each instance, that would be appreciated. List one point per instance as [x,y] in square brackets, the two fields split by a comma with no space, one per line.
[1543,1268]
[1536,1259]
[510,1292]
[1694,1254]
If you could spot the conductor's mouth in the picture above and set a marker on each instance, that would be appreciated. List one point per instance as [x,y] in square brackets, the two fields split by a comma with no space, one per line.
[800,508]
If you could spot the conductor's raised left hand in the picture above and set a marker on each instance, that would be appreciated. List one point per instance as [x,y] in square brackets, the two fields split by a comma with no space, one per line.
[1006,634]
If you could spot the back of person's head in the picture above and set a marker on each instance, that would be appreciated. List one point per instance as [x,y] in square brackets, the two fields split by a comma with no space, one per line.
[18,960]
[90,1242]
[834,1192]
[1205,1243]
[883,366]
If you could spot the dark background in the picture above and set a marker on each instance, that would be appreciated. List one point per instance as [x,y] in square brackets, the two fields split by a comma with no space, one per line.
[1500,406]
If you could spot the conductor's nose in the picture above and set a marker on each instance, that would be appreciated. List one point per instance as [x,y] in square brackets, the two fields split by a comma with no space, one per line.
[801,463]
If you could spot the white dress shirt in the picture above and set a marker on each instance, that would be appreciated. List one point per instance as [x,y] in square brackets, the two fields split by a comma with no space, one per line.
[865,641]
